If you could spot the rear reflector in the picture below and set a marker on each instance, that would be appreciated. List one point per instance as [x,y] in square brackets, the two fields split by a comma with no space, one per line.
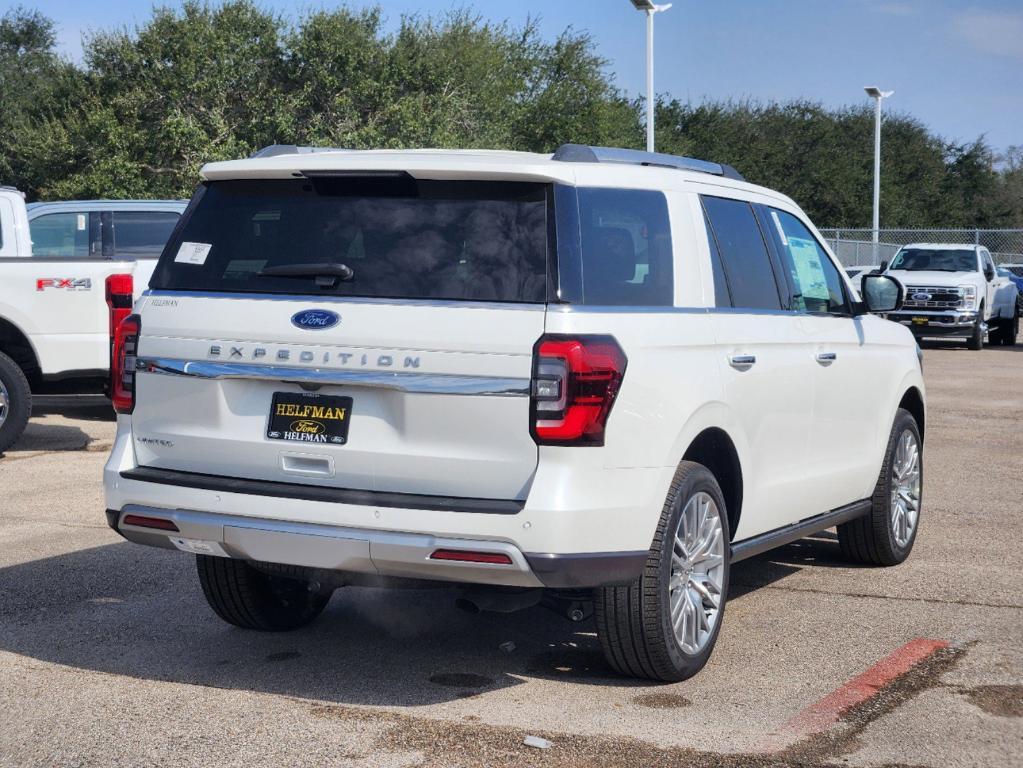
[149,522]
[464,556]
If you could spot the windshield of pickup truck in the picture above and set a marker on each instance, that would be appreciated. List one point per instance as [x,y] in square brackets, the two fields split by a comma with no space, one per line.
[369,236]
[940,260]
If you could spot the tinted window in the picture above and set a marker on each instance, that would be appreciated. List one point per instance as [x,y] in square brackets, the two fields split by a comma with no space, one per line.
[141,234]
[626,247]
[61,235]
[721,296]
[747,265]
[939,259]
[400,237]
[817,286]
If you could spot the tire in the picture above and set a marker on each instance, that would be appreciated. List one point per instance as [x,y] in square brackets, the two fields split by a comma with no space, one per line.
[251,599]
[874,539]
[15,402]
[1010,331]
[634,622]
[976,340]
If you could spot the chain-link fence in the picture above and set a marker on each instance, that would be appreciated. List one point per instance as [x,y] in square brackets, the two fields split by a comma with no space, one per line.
[855,247]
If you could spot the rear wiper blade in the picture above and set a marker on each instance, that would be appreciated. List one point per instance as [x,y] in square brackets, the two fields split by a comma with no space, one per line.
[326,274]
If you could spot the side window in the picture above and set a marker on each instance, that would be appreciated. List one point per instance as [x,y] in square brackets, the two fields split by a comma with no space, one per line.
[64,235]
[626,247]
[141,234]
[816,281]
[987,263]
[745,261]
[722,298]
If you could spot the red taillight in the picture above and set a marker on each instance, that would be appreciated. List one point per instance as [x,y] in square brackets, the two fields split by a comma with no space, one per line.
[120,297]
[142,521]
[122,368]
[575,382]
[465,556]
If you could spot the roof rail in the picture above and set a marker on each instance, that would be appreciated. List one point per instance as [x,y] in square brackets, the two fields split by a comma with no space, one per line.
[581,153]
[275,150]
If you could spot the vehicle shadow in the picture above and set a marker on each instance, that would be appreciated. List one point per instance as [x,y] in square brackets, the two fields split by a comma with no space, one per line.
[85,407]
[139,612]
[49,437]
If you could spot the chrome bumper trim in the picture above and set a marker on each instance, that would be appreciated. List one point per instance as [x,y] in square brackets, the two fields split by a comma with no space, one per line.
[419,383]
[356,550]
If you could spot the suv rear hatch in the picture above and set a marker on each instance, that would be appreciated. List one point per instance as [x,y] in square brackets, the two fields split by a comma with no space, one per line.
[360,332]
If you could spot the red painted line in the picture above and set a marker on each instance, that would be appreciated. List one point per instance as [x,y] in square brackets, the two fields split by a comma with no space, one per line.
[822,714]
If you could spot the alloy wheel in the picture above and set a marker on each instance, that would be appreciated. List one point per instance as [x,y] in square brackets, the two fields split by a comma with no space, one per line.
[5,403]
[697,570]
[905,506]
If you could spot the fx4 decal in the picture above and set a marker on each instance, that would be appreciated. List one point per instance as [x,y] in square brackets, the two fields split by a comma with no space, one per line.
[64,283]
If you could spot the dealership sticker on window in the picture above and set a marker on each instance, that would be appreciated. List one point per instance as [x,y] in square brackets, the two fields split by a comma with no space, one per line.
[193,253]
[81,222]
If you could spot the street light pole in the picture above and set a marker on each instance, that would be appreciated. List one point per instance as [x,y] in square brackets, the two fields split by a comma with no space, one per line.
[878,95]
[649,8]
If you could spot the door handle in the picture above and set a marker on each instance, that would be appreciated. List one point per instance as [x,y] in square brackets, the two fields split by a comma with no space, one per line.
[742,362]
[826,358]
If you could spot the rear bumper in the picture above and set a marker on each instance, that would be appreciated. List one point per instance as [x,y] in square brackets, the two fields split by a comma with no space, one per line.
[382,553]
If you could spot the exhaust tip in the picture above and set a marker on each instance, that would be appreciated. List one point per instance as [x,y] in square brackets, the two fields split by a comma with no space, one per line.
[468,606]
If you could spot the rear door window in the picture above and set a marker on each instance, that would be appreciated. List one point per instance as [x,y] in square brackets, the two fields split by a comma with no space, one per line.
[74,235]
[745,261]
[390,237]
[141,234]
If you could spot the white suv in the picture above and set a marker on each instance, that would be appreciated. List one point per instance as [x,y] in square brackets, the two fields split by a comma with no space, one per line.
[599,377]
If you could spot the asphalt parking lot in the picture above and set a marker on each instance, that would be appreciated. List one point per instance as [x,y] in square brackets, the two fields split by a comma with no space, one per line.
[109,654]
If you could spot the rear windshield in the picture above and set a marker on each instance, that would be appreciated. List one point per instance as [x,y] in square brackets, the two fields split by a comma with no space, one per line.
[387,237]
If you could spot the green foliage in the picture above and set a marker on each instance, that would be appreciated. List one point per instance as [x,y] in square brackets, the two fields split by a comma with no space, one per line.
[203,82]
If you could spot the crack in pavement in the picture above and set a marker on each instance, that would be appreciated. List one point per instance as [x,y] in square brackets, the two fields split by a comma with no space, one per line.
[867,595]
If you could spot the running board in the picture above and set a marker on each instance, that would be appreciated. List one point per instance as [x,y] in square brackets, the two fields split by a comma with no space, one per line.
[781,536]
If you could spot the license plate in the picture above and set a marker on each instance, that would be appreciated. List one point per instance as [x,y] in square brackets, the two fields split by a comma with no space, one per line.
[919,321]
[308,417]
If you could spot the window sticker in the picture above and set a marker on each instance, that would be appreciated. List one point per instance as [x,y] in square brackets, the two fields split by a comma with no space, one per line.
[193,253]
[81,222]
[813,284]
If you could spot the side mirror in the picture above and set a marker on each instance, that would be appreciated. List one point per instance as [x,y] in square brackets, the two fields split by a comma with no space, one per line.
[881,293]
[882,266]
[989,274]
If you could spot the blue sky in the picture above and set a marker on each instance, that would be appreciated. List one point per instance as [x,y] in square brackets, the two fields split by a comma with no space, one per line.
[955,65]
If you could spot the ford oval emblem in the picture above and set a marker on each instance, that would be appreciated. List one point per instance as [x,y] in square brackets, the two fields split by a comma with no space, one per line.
[921,296]
[315,319]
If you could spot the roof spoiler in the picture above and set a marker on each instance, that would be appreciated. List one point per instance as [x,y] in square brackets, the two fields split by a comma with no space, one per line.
[581,153]
[275,150]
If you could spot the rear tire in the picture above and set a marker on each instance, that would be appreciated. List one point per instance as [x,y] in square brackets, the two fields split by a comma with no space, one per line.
[251,599]
[684,584]
[885,536]
[1009,331]
[15,402]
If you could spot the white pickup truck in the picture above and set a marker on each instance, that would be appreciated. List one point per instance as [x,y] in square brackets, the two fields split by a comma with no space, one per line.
[55,261]
[954,290]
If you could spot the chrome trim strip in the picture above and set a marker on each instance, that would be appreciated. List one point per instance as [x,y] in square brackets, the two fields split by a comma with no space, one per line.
[320,299]
[313,545]
[419,383]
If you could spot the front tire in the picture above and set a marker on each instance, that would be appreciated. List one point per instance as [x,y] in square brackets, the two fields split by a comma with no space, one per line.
[15,402]
[664,625]
[976,340]
[886,534]
[250,599]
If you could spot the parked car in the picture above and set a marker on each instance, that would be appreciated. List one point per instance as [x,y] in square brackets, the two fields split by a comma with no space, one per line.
[954,290]
[599,377]
[61,265]
[1015,273]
